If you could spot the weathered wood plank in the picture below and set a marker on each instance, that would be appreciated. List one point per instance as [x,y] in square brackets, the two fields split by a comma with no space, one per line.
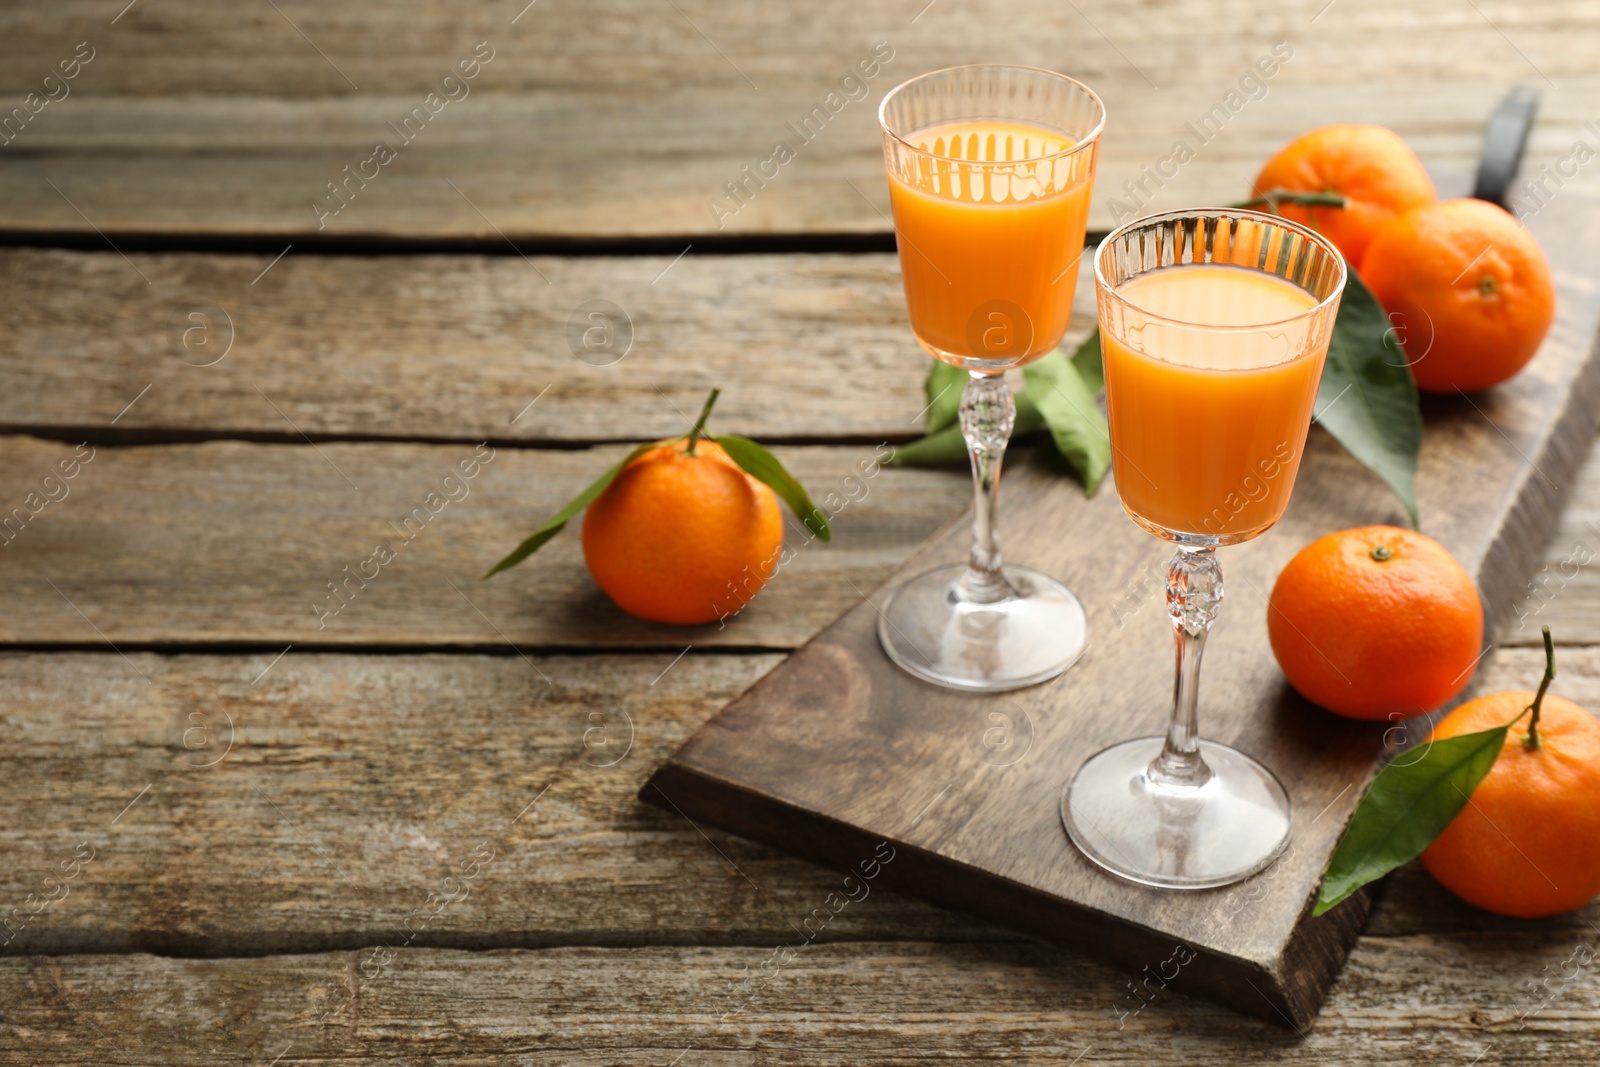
[1404,1000]
[803,346]
[234,542]
[249,805]
[388,347]
[313,802]
[131,167]
[188,124]
[561,43]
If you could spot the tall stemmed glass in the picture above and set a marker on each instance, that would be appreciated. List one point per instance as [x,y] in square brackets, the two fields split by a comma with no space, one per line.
[990,169]
[1214,326]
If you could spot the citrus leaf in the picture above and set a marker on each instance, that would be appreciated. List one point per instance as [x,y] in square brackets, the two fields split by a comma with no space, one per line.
[1077,426]
[1367,399]
[943,387]
[942,446]
[1408,805]
[949,446]
[764,466]
[534,541]
[1087,360]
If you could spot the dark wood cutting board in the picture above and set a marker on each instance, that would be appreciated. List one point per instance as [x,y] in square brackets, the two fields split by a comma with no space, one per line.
[836,750]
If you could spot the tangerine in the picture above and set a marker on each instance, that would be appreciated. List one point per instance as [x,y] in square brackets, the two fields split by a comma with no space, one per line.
[1377,172]
[1468,289]
[682,535]
[1377,622]
[1524,845]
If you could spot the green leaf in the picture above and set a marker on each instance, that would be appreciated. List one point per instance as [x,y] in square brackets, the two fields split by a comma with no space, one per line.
[943,387]
[554,524]
[1368,399]
[1054,396]
[1408,805]
[1087,360]
[764,466]
[948,446]
[944,446]
[1076,424]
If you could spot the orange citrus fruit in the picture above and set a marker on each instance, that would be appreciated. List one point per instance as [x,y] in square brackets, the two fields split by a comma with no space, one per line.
[1370,165]
[1377,622]
[683,537]
[1468,290]
[1526,843]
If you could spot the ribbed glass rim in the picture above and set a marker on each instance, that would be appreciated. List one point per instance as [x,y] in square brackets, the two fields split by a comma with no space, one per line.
[1279,221]
[1082,143]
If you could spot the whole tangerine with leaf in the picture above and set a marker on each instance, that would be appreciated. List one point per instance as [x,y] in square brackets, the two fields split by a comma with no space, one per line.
[1346,181]
[1378,622]
[683,531]
[1468,289]
[1528,844]
[1502,802]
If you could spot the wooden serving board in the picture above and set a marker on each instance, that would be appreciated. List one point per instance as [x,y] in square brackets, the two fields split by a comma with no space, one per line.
[836,750]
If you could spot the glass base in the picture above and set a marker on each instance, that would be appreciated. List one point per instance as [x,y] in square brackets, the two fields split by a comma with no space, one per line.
[1196,838]
[1023,638]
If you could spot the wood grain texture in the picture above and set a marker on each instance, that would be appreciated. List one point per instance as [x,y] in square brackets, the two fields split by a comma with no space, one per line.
[247,805]
[234,542]
[838,748]
[1413,999]
[314,802]
[1564,592]
[458,347]
[190,122]
[630,44]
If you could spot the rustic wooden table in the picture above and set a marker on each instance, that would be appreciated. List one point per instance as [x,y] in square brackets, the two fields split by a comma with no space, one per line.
[246,818]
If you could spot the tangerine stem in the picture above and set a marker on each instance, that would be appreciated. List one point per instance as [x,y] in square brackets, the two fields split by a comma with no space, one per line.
[1273,197]
[700,423]
[1533,740]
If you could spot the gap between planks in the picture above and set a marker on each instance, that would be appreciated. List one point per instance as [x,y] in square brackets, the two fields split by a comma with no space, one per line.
[111,437]
[336,246]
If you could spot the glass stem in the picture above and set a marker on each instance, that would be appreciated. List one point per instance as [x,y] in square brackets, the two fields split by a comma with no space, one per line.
[987,414]
[1194,589]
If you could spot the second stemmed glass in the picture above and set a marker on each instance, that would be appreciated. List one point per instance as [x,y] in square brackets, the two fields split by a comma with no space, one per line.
[990,170]
[1214,326]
